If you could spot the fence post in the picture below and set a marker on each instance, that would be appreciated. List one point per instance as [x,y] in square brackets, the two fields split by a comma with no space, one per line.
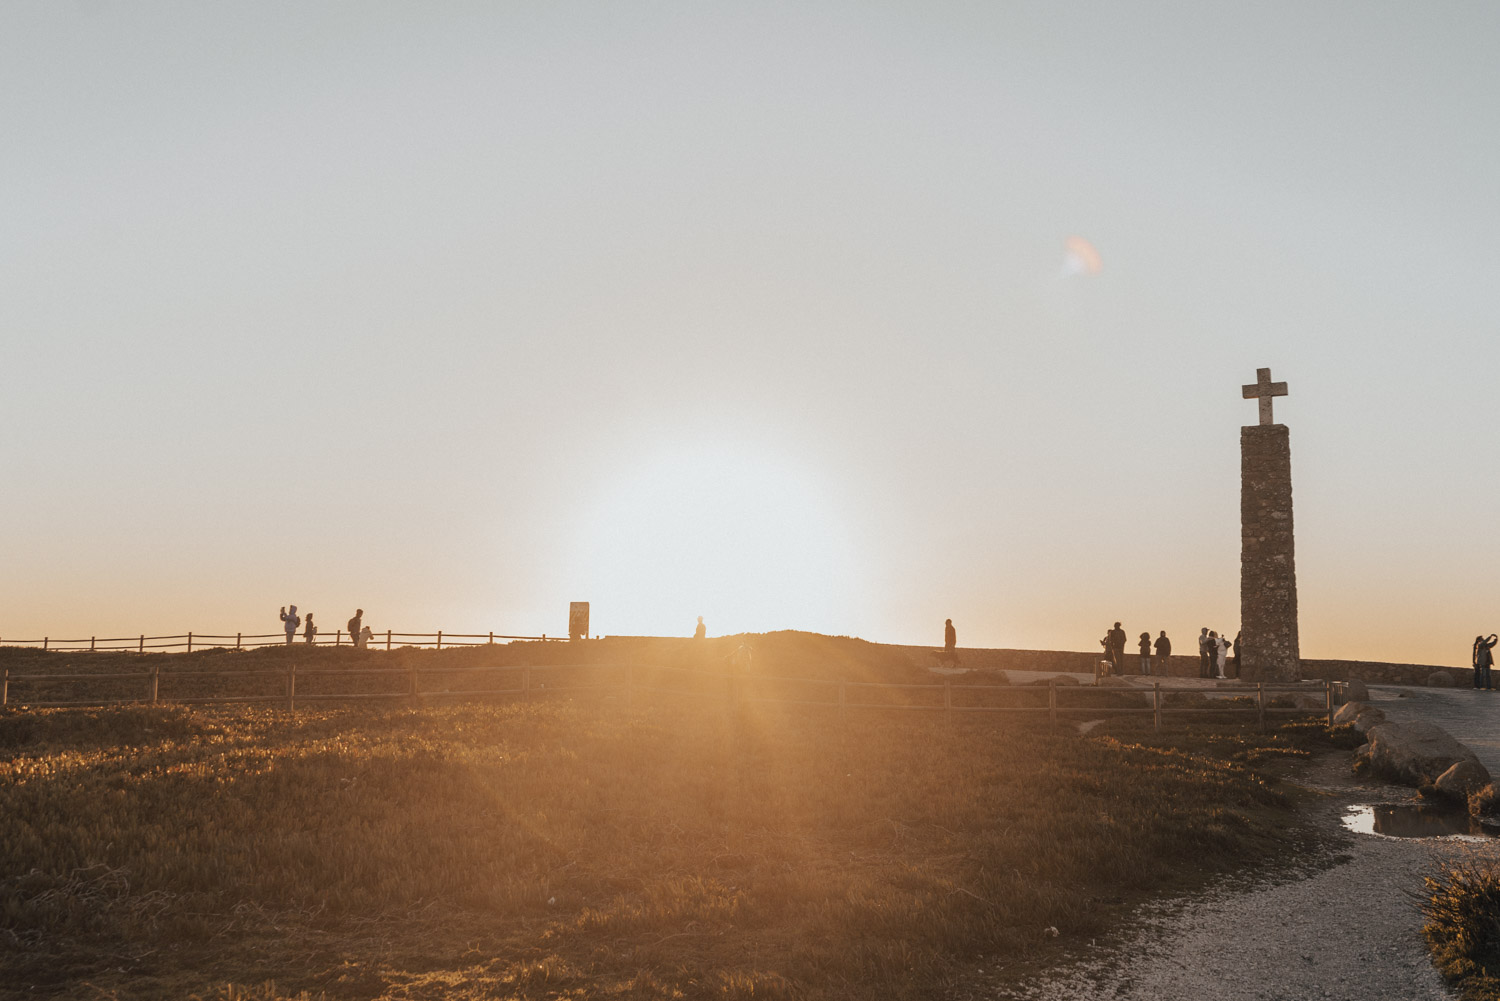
[190,641]
[44,642]
[948,700]
[440,639]
[843,702]
[1052,703]
[492,637]
[236,641]
[1328,687]
[1156,702]
[5,686]
[1260,704]
[387,641]
[91,643]
[155,682]
[337,636]
[291,686]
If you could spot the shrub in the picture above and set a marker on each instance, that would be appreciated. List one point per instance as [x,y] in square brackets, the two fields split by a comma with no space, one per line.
[1462,909]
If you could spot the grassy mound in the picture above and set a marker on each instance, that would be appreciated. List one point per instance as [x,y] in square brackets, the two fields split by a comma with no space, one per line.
[562,849]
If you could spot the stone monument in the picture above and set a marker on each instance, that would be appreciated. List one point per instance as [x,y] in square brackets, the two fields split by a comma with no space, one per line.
[578,620]
[1268,570]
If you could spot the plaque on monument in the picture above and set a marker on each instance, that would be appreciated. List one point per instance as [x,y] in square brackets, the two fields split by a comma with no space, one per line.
[1268,572]
[578,620]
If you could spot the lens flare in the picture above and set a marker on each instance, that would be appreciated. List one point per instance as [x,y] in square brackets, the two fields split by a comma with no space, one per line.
[1079,258]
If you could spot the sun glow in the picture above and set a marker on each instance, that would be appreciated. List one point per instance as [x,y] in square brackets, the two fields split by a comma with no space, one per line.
[749,542]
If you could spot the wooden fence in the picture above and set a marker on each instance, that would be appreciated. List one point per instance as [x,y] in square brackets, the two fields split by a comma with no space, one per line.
[246,641]
[629,681]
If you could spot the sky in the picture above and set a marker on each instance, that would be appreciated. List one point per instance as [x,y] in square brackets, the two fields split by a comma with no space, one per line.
[459,312]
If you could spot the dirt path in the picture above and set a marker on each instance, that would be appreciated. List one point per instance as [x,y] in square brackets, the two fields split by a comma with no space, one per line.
[1340,926]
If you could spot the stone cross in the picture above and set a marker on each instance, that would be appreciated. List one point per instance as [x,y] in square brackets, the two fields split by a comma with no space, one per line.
[1263,390]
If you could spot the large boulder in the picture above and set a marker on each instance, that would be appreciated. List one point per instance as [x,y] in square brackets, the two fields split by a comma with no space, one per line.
[1462,780]
[1361,715]
[1440,679]
[1355,691]
[1416,752]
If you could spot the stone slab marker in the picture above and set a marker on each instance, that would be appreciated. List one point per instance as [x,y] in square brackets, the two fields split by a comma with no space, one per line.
[1268,569]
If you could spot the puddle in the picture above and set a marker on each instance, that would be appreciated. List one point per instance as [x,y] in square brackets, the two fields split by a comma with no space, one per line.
[1415,821]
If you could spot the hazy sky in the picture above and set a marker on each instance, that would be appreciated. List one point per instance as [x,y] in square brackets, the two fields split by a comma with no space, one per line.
[460,312]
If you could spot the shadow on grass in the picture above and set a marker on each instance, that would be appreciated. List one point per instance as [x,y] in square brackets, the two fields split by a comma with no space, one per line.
[555,850]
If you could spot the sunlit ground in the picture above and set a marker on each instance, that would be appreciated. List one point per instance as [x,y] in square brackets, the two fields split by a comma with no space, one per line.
[562,849]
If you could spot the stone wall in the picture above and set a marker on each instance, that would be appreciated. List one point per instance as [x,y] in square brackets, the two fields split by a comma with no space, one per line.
[1379,673]
[1180,666]
[1268,572]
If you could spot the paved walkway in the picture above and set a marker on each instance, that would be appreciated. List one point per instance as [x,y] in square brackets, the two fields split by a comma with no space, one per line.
[1473,717]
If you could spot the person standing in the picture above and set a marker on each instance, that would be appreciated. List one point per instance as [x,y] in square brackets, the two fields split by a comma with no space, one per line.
[1163,652]
[310,631]
[1145,645]
[1484,660]
[1203,671]
[1117,648]
[354,624]
[290,620]
[950,643]
[1234,657]
[702,630]
[1217,647]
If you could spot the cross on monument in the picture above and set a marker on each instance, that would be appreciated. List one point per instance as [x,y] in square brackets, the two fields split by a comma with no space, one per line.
[1264,389]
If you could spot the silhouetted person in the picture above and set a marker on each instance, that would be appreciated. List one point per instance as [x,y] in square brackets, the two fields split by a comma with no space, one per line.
[1145,645]
[950,642]
[1234,658]
[701,631]
[1117,648]
[354,624]
[1163,651]
[310,631]
[1216,647]
[1203,669]
[1483,660]
[290,620]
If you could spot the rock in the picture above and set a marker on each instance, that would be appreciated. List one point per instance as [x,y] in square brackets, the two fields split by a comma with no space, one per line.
[1298,700]
[1361,715]
[1462,780]
[1143,696]
[1440,679]
[1415,753]
[1355,691]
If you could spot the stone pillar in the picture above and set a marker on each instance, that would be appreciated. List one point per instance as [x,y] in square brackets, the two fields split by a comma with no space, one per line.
[1268,572]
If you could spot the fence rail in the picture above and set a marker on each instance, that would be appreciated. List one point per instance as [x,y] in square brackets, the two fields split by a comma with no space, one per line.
[250,641]
[625,681]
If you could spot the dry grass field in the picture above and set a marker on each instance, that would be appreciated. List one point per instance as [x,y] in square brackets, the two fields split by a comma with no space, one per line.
[560,848]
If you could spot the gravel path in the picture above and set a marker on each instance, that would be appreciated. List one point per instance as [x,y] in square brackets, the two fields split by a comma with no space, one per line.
[1339,927]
